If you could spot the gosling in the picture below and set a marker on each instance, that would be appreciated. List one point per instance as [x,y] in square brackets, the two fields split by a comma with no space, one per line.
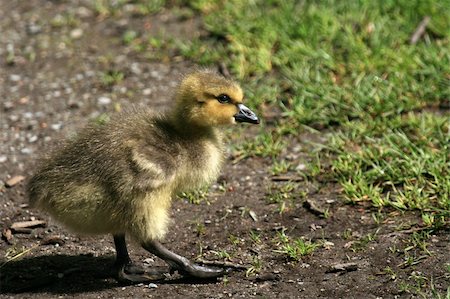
[120,177]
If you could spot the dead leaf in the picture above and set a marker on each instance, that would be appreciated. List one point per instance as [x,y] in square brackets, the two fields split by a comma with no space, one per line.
[14,181]
[7,235]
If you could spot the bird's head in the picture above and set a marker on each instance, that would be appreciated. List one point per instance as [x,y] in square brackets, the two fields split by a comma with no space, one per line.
[207,99]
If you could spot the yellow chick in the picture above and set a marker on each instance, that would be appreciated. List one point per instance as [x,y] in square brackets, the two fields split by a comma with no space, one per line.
[120,177]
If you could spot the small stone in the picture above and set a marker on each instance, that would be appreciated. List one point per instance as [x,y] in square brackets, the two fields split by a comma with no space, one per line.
[135,69]
[156,75]
[104,101]
[149,260]
[33,29]
[344,267]
[152,286]
[15,77]
[300,167]
[253,215]
[8,106]
[13,117]
[24,100]
[56,127]
[32,139]
[28,115]
[147,91]
[83,12]
[3,159]
[26,151]
[76,33]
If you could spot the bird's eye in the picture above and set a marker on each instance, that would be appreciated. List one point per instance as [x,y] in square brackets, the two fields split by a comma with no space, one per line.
[223,99]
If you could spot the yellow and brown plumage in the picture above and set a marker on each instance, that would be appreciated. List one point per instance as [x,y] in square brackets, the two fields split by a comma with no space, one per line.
[120,177]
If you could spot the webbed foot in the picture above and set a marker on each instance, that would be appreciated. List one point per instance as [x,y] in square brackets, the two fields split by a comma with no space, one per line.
[182,264]
[131,274]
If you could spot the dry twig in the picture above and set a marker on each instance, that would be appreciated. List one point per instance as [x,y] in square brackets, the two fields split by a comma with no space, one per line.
[420,30]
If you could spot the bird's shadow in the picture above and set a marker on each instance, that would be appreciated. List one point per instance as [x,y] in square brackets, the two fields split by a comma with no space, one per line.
[66,274]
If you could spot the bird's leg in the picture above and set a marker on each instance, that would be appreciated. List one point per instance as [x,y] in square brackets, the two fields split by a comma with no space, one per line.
[182,264]
[126,271]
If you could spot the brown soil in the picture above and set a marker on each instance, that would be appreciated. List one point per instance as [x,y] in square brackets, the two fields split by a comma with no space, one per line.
[50,87]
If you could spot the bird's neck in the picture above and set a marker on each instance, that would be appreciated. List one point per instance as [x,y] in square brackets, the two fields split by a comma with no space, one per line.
[189,130]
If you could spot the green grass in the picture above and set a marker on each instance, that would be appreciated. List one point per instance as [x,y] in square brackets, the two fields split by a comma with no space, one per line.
[294,249]
[195,196]
[347,70]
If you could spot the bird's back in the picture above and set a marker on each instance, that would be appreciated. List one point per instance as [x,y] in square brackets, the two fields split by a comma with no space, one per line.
[127,155]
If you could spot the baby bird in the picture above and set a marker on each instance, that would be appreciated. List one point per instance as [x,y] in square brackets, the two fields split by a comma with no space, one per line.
[120,177]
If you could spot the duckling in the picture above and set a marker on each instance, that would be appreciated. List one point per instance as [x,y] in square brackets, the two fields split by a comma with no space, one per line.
[120,177]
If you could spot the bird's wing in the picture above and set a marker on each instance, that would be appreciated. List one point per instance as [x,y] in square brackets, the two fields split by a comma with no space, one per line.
[151,167]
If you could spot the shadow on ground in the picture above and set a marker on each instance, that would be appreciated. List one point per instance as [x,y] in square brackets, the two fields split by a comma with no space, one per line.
[67,274]
[58,274]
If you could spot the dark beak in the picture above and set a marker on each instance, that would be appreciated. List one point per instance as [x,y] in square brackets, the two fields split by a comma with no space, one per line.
[246,115]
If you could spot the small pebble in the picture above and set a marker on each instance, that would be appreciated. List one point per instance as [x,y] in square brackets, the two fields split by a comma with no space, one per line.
[300,167]
[32,139]
[26,151]
[8,106]
[56,127]
[135,69]
[3,159]
[33,29]
[83,12]
[152,286]
[76,33]
[28,115]
[104,101]
[13,118]
[14,78]
[24,100]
